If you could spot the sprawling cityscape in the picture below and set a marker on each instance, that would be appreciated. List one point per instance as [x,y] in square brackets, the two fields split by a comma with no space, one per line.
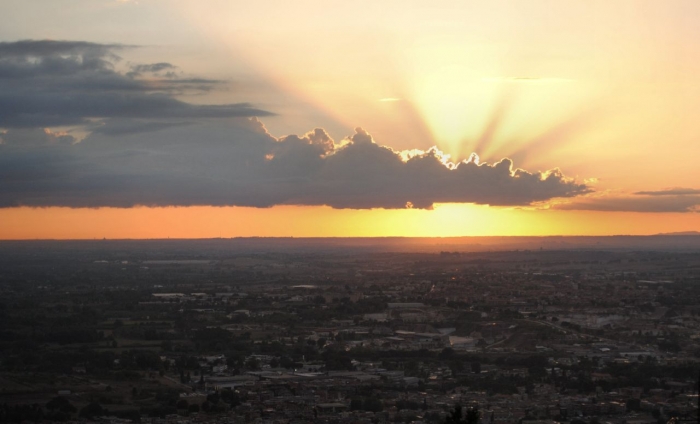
[322,331]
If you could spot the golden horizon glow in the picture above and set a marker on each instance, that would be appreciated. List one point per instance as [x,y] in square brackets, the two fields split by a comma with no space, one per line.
[446,220]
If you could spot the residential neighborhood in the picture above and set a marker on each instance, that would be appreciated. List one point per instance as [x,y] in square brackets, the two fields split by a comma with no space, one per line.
[158,334]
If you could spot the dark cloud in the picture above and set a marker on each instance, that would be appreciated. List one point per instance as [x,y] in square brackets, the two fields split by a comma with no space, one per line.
[61,83]
[239,163]
[47,48]
[147,147]
[670,192]
[116,127]
[150,68]
[654,201]
[35,137]
[652,204]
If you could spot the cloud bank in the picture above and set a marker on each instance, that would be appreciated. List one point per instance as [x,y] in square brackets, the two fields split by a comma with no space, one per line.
[656,201]
[670,192]
[146,147]
[58,83]
[239,163]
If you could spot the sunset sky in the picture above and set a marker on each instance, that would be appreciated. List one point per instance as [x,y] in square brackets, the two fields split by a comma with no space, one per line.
[173,118]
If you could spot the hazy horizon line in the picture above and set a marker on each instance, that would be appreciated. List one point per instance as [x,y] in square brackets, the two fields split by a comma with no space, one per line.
[672,234]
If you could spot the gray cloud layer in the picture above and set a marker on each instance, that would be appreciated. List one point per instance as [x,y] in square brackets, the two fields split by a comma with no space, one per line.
[52,48]
[239,163]
[650,201]
[681,200]
[145,147]
[58,83]
[670,192]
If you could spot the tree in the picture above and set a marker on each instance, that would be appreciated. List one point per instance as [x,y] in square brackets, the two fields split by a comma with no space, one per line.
[230,397]
[634,405]
[253,363]
[372,404]
[62,404]
[286,362]
[455,415]
[92,410]
[447,353]
[472,415]
[537,372]
[213,398]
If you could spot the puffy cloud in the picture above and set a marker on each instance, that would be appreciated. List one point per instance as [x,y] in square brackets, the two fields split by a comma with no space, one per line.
[61,83]
[240,163]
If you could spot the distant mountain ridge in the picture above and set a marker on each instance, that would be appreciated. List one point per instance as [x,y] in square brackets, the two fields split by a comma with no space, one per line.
[681,233]
[687,241]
